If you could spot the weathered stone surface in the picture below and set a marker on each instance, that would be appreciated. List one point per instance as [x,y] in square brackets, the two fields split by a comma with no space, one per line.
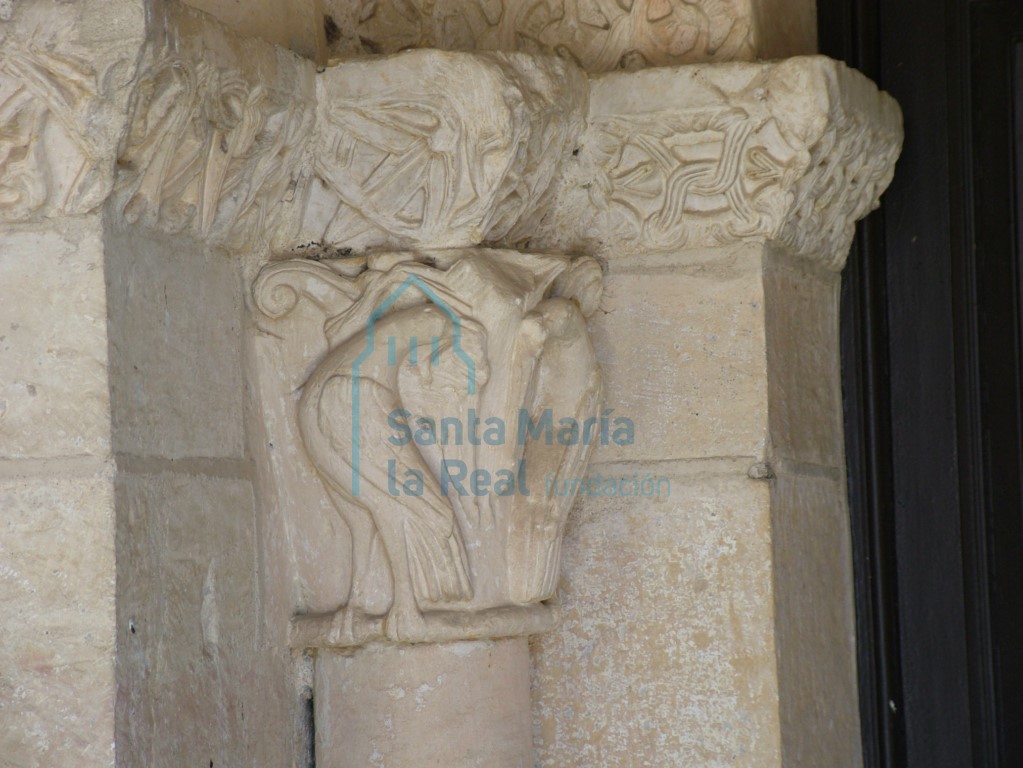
[197,680]
[294,24]
[218,131]
[815,621]
[54,397]
[432,421]
[57,633]
[64,83]
[680,341]
[432,149]
[176,313]
[599,35]
[667,656]
[666,651]
[450,705]
[794,151]
[803,363]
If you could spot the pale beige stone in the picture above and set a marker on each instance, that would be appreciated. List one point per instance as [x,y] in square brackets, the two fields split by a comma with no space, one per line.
[54,398]
[449,705]
[176,315]
[57,631]
[683,177]
[294,24]
[665,656]
[65,80]
[432,149]
[681,345]
[217,133]
[600,35]
[793,151]
[433,418]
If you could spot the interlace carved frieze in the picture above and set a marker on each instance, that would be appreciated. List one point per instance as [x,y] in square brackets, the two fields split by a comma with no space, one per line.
[794,152]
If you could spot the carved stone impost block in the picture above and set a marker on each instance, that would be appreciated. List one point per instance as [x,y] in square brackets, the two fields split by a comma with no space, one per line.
[61,108]
[458,387]
[218,133]
[436,150]
[793,152]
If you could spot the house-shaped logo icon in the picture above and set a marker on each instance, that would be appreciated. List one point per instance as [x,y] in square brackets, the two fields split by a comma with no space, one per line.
[415,356]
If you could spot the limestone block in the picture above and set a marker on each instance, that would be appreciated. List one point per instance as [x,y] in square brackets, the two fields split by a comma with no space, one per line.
[665,656]
[64,83]
[803,363]
[451,384]
[433,149]
[54,397]
[600,35]
[794,151]
[815,625]
[197,681]
[57,628]
[294,24]
[449,705]
[218,130]
[680,342]
[176,312]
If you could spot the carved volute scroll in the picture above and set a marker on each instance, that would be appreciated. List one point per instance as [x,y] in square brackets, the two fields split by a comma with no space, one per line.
[455,388]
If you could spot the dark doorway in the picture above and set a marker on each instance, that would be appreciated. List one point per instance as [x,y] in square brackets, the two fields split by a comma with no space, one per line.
[932,336]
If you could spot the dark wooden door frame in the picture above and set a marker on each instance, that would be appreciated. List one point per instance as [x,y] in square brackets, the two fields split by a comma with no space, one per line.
[933,389]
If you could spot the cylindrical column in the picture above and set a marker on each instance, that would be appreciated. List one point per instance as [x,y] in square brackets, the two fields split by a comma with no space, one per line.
[449,705]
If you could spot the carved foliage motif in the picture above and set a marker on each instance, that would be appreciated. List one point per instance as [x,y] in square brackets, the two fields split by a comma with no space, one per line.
[453,532]
[599,35]
[209,150]
[48,161]
[459,158]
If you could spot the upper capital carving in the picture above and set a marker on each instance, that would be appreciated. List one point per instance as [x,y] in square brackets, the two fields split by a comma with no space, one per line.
[209,150]
[434,149]
[793,152]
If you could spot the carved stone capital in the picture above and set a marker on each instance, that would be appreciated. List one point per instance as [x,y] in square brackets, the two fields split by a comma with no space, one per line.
[793,152]
[454,391]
